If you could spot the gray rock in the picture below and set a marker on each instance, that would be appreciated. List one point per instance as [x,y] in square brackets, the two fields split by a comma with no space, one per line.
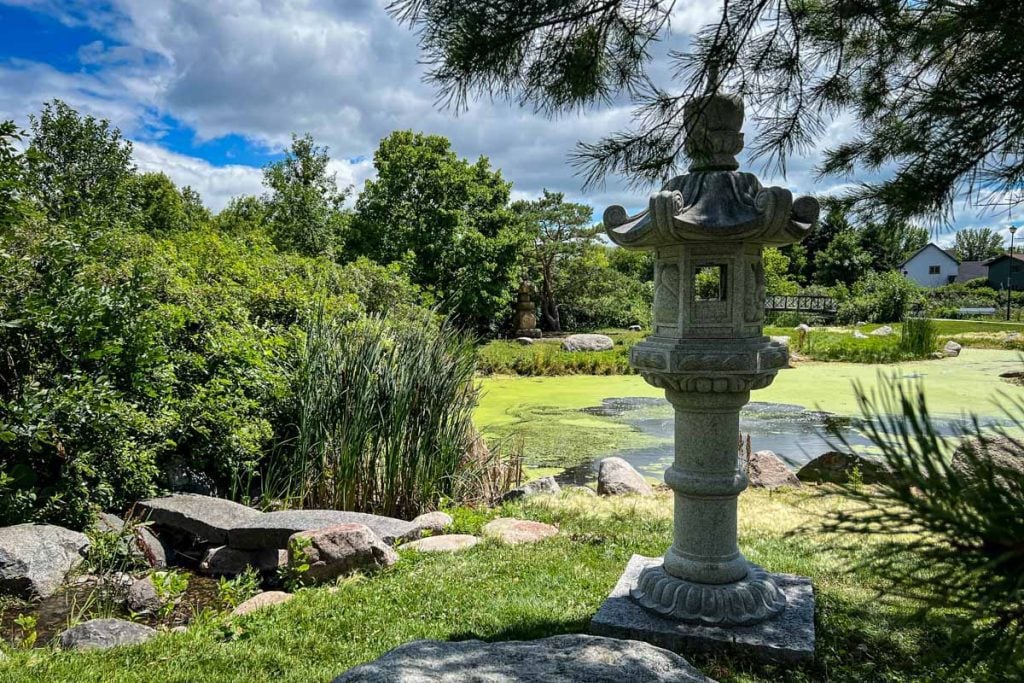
[447,543]
[616,477]
[1003,454]
[35,559]
[145,544]
[100,634]
[780,339]
[635,328]
[142,596]
[525,341]
[225,561]
[341,550]
[767,470]
[587,342]
[273,529]
[537,486]
[883,331]
[261,601]
[835,468]
[582,491]
[518,531]
[559,659]
[952,349]
[201,517]
[803,327]
[857,334]
[434,522]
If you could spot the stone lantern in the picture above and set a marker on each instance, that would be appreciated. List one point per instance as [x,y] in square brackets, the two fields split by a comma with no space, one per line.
[707,229]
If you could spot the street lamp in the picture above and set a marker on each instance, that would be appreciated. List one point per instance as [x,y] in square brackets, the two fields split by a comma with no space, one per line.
[1009,275]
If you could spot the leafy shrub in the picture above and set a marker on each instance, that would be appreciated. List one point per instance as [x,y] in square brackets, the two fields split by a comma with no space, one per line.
[878,297]
[548,359]
[233,592]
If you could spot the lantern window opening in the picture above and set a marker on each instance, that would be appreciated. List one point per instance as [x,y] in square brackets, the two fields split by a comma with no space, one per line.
[709,283]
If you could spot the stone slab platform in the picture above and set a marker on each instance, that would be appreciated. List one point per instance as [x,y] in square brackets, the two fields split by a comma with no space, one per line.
[789,637]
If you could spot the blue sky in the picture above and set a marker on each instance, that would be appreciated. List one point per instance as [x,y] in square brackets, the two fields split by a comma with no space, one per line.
[211,90]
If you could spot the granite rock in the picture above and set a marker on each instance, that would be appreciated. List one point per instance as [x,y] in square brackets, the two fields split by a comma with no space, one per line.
[769,471]
[261,601]
[273,529]
[537,486]
[434,522]
[518,531]
[951,349]
[616,477]
[145,544]
[142,596]
[203,518]
[35,559]
[225,561]
[587,342]
[524,341]
[558,659]
[835,468]
[101,634]
[883,331]
[447,543]
[340,550]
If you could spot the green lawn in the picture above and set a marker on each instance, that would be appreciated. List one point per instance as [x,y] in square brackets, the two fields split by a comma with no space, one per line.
[497,592]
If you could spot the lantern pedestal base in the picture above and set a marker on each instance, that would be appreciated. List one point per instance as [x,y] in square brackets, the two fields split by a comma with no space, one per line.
[787,637]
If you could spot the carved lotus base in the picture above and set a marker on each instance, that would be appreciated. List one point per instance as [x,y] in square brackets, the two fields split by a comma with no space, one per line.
[748,601]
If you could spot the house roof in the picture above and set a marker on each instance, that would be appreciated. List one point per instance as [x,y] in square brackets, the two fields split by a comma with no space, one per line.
[970,270]
[930,244]
[1016,256]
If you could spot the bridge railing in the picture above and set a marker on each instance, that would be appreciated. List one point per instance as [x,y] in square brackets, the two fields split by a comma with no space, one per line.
[803,303]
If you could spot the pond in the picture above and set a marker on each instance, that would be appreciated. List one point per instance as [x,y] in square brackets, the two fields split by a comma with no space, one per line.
[570,422]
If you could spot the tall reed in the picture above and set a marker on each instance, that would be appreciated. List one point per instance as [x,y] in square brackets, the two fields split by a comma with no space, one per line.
[383,415]
[919,337]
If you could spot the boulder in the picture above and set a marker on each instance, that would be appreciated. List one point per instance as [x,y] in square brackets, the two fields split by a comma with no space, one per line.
[1005,456]
[434,522]
[448,543]
[203,518]
[225,561]
[145,545]
[883,331]
[260,601]
[768,471]
[142,596]
[616,477]
[834,467]
[587,342]
[341,550]
[803,328]
[951,349]
[524,341]
[533,488]
[518,531]
[273,529]
[558,659]
[100,634]
[780,339]
[635,328]
[857,334]
[36,558]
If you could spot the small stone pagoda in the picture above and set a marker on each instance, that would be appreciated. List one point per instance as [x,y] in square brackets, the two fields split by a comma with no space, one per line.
[525,322]
[707,229]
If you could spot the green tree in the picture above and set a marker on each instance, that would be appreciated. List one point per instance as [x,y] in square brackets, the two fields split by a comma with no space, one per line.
[161,208]
[844,260]
[447,220]
[559,230]
[304,205]
[891,242]
[78,166]
[12,176]
[243,214]
[977,244]
[935,87]
[595,294]
[776,273]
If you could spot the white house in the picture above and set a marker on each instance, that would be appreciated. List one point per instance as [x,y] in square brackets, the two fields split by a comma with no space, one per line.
[931,266]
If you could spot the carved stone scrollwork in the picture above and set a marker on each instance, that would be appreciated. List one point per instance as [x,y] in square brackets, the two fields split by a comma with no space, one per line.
[748,601]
